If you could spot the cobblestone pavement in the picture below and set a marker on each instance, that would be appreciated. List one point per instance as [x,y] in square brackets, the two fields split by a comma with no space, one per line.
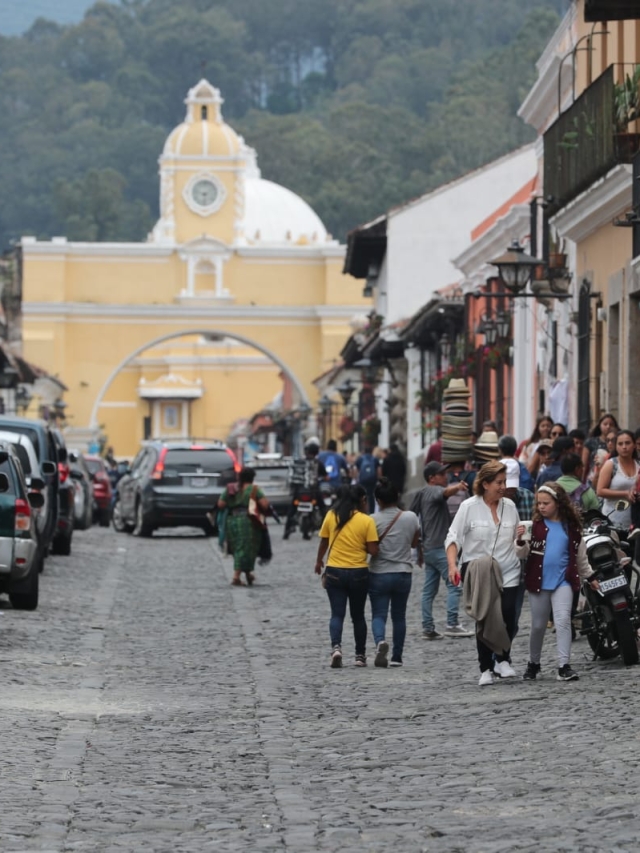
[150,706]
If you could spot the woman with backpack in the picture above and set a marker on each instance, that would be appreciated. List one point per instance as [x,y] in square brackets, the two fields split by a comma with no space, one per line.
[347,538]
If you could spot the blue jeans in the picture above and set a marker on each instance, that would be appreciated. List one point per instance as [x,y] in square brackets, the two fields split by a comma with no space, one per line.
[435,567]
[347,585]
[390,589]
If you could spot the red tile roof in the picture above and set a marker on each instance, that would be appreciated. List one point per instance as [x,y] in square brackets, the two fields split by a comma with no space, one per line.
[521,197]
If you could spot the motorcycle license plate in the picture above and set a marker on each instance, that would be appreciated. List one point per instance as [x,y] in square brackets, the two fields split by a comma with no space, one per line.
[199,482]
[613,583]
[305,507]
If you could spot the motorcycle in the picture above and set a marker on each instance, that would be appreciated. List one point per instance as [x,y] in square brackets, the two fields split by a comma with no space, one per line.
[306,515]
[612,617]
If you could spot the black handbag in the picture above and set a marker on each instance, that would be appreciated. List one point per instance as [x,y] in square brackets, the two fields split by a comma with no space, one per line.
[264,551]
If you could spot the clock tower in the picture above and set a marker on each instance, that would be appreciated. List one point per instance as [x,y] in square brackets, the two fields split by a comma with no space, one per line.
[202,171]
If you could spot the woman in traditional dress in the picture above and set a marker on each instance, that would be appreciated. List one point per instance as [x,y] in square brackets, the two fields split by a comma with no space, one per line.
[243,533]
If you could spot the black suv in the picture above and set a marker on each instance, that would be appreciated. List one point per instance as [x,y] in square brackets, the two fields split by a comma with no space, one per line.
[173,483]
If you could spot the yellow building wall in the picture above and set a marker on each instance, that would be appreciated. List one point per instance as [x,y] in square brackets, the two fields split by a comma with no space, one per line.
[620,47]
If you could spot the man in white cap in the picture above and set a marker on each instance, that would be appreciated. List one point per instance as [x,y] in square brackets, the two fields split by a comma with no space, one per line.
[435,520]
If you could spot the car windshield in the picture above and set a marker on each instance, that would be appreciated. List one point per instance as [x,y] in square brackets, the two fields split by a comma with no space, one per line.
[94,465]
[197,461]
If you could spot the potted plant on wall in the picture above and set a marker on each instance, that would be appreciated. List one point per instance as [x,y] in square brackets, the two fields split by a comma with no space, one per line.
[557,254]
[626,109]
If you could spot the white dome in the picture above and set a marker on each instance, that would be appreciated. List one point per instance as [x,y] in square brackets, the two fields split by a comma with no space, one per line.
[273,214]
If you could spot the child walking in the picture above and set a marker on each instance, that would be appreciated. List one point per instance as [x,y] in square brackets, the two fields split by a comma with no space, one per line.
[556,560]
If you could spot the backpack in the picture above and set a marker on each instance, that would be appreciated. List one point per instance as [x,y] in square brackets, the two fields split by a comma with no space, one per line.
[332,466]
[576,495]
[367,470]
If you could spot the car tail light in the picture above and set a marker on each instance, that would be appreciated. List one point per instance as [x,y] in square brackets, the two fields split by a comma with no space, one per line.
[63,471]
[23,515]
[158,471]
[237,467]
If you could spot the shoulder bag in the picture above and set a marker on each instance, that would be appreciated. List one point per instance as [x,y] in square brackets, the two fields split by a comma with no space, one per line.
[390,525]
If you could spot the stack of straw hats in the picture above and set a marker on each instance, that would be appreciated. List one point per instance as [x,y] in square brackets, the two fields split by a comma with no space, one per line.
[457,423]
[486,447]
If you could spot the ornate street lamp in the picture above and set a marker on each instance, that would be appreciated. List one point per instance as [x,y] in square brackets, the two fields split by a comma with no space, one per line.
[503,325]
[346,391]
[490,331]
[515,267]
[326,404]
[444,345]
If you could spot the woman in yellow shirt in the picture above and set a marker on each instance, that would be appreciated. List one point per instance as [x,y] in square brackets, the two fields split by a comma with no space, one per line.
[347,537]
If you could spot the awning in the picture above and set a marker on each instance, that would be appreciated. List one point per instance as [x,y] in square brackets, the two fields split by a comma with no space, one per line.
[366,245]
[429,322]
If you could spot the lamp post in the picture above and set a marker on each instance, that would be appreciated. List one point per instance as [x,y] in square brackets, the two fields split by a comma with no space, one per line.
[326,405]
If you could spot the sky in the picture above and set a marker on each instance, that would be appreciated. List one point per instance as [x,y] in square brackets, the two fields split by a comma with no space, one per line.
[16,16]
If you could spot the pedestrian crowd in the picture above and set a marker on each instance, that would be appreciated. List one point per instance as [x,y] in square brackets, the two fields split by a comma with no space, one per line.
[489,532]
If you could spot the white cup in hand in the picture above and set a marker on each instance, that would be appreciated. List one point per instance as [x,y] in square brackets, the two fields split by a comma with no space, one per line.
[526,536]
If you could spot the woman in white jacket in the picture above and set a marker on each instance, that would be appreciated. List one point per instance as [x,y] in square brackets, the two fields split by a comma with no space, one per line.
[485,526]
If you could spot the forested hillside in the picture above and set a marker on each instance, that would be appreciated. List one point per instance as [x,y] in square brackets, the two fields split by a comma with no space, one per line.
[356,105]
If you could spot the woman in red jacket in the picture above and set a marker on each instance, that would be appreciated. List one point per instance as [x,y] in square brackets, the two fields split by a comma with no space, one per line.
[556,562]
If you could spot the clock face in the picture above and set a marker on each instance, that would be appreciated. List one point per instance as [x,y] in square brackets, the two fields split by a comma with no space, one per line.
[204,192]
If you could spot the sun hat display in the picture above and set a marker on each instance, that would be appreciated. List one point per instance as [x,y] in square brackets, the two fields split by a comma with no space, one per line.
[486,447]
[457,422]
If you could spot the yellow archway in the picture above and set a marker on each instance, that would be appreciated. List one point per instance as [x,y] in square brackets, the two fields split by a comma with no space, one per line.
[205,333]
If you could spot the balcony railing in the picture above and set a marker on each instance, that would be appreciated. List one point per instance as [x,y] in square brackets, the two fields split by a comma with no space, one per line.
[590,138]
[578,147]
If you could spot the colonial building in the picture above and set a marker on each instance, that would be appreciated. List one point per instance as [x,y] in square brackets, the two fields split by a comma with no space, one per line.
[585,105]
[238,286]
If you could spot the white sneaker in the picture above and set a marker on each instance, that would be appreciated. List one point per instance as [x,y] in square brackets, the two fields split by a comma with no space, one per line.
[503,669]
[486,678]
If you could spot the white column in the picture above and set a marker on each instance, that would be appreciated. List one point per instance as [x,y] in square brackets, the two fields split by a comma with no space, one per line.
[219,282]
[191,276]
[184,420]
[157,424]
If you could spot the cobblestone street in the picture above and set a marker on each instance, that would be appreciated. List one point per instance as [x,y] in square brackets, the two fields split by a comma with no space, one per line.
[149,706]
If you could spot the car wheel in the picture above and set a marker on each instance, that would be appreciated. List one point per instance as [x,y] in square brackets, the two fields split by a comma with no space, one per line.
[117,519]
[61,545]
[104,517]
[28,600]
[142,527]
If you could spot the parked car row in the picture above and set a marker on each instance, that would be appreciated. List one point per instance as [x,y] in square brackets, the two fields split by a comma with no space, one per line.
[46,493]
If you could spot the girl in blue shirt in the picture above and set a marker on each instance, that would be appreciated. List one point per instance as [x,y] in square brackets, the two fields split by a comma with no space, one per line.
[556,561]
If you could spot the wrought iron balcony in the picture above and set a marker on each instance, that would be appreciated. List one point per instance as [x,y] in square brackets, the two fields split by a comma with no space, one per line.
[591,137]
